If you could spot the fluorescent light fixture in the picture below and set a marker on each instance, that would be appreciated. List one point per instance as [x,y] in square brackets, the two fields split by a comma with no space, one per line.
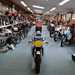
[47,12]
[23,3]
[29,9]
[63,2]
[7,8]
[36,6]
[53,9]
[38,11]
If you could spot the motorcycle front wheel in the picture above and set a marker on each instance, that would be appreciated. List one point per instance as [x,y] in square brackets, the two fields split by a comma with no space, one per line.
[37,68]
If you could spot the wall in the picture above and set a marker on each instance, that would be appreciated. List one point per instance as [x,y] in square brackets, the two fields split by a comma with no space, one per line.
[3,8]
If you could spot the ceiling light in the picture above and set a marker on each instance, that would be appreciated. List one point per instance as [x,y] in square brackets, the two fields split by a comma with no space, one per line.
[23,3]
[46,0]
[38,11]
[63,2]
[40,7]
[53,9]
[29,9]
[47,12]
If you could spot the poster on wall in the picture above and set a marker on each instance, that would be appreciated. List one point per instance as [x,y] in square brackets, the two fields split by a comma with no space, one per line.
[68,16]
[64,17]
[73,17]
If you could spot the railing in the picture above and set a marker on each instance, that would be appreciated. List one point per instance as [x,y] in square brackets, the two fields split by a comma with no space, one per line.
[4,26]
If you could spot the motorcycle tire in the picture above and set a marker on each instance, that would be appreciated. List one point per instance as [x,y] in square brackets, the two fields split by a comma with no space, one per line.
[62,41]
[62,44]
[55,39]
[2,43]
[73,57]
[37,69]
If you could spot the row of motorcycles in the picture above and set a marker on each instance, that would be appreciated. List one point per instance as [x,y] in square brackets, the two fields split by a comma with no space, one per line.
[12,35]
[64,35]
[61,33]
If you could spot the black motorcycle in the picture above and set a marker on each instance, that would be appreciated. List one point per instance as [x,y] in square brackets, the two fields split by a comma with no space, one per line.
[64,40]
[57,36]
[51,31]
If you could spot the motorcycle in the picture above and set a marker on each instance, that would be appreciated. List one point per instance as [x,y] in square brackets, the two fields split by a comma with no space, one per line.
[65,40]
[57,36]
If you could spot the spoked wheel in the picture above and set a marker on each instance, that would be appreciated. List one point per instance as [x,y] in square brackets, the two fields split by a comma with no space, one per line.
[2,43]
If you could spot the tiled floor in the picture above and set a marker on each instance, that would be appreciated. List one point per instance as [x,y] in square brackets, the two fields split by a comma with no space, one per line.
[56,60]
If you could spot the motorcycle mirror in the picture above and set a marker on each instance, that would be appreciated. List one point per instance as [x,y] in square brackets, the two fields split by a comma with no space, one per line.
[33,33]
[46,43]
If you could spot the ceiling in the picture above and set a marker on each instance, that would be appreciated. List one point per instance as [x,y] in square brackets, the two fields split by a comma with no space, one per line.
[48,4]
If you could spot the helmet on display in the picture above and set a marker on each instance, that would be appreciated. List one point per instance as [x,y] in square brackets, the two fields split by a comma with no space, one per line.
[15,29]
